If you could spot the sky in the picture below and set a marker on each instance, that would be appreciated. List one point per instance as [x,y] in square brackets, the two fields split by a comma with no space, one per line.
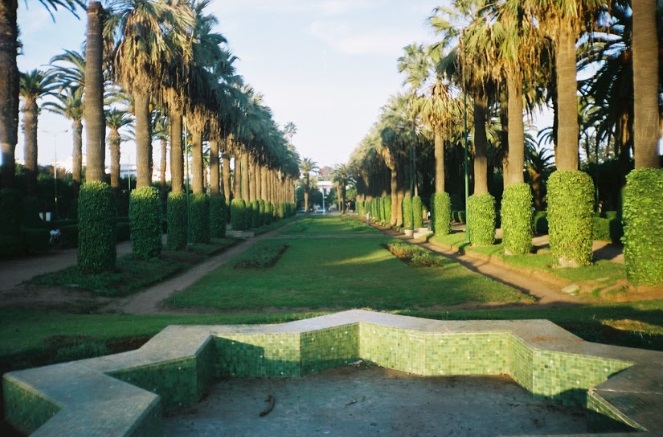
[326,65]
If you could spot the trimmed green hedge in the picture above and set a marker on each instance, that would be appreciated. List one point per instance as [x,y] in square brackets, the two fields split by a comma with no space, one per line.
[96,228]
[516,216]
[238,215]
[417,212]
[177,229]
[217,216]
[643,226]
[269,213]
[200,230]
[145,221]
[481,219]
[10,223]
[441,213]
[571,217]
[407,212]
[386,207]
[608,227]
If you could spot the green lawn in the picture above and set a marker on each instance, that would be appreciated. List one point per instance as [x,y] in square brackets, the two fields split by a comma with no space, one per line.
[340,264]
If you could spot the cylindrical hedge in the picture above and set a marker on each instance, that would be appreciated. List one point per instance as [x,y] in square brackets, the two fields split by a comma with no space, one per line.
[145,222]
[217,216]
[571,217]
[417,212]
[386,208]
[643,227]
[177,230]
[481,219]
[269,212]
[441,214]
[10,223]
[238,215]
[96,228]
[517,219]
[199,226]
[407,212]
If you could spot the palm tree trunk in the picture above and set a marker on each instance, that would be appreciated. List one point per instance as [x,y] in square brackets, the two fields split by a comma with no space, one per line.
[30,110]
[162,168]
[393,183]
[197,186]
[264,173]
[253,185]
[566,148]
[516,129]
[480,145]
[143,148]
[93,95]
[439,160]
[77,155]
[225,168]
[244,163]
[237,176]
[176,152]
[114,140]
[645,84]
[214,178]
[9,88]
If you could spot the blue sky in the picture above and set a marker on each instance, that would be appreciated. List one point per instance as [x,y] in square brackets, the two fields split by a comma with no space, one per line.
[326,65]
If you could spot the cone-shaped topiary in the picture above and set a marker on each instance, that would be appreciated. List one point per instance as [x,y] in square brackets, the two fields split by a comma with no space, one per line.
[217,216]
[417,212]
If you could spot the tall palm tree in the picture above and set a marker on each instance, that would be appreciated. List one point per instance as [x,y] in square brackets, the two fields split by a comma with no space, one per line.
[34,85]
[93,94]
[69,104]
[116,119]
[9,79]
[341,177]
[68,73]
[307,166]
[153,35]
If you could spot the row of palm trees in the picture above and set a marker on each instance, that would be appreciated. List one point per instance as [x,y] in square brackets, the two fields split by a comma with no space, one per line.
[159,65]
[495,61]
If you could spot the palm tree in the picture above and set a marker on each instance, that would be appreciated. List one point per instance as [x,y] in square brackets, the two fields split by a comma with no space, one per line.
[9,79]
[93,95]
[154,35]
[307,166]
[341,177]
[68,73]
[33,86]
[115,120]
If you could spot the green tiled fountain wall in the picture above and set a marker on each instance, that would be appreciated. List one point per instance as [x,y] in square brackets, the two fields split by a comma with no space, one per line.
[178,382]
[561,376]
[28,409]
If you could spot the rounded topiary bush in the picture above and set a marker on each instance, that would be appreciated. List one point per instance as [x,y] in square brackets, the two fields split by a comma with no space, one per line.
[441,214]
[217,216]
[254,213]
[517,219]
[643,227]
[571,217]
[200,218]
[481,219]
[145,222]
[269,212]
[96,228]
[238,215]
[417,212]
[386,208]
[177,215]
[10,223]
